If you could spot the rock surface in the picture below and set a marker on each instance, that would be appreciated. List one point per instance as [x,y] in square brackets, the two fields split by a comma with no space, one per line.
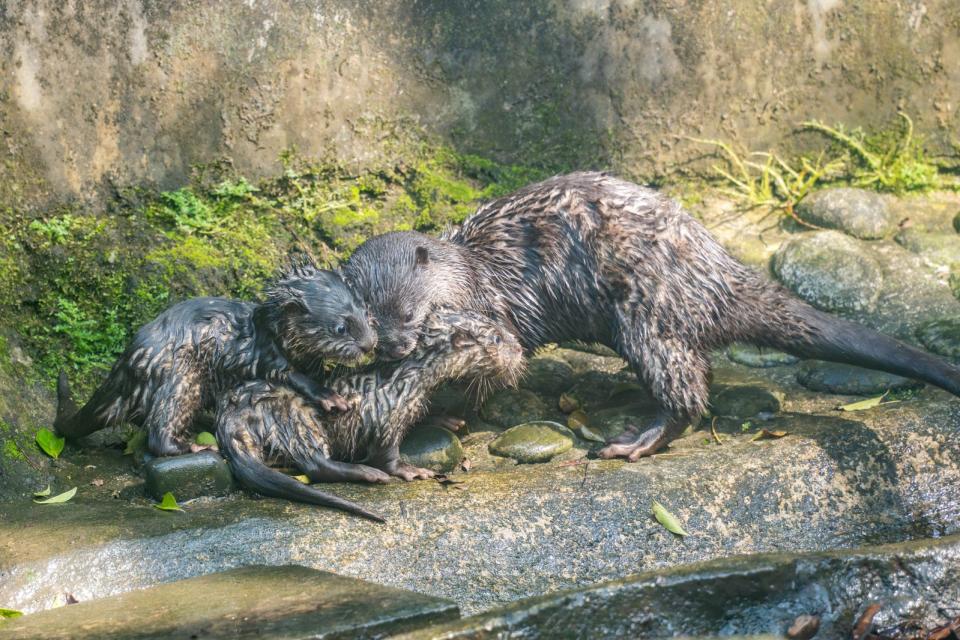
[743,401]
[834,377]
[533,442]
[188,476]
[432,447]
[830,271]
[547,375]
[941,337]
[287,602]
[760,358]
[857,212]
[511,406]
[939,248]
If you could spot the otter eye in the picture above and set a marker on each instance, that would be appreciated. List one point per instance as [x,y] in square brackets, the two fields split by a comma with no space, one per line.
[497,339]
[341,329]
[408,317]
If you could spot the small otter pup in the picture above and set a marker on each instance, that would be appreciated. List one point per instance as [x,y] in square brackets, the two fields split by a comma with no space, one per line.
[587,256]
[261,422]
[180,362]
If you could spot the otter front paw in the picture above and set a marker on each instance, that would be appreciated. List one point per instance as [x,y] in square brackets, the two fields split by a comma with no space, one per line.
[408,472]
[330,401]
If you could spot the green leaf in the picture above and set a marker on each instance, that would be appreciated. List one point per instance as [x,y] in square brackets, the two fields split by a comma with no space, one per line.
[136,443]
[168,503]
[9,613]
[667,519]
[42,494]
[205,439]
[49,443]
[862,405]
[767,434]
[303,479]
[59,498]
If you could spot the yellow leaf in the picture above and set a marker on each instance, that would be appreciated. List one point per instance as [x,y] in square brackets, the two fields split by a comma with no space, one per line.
[667,519]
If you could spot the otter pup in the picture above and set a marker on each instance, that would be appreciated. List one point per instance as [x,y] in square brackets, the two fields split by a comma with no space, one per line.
[588,256]
[261,422]
[177,364]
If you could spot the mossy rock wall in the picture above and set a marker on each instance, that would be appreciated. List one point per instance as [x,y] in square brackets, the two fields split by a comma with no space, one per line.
[101,94]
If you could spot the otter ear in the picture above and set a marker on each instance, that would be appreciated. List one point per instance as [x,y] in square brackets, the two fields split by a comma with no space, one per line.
[462,339]
[423,256]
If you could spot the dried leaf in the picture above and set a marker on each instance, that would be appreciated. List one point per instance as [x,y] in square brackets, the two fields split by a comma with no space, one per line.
[577,419]
[713,431]
[7,614]
[205,439]
[42,494]
[568,403]
[59,498]
[586,433]
[49,443]
[767,434]
[804,627]
[862,405]
[667,519]
[865,622]
[168,503]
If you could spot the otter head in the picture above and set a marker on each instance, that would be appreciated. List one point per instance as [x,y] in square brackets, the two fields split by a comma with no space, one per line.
[316,316]
[468,345]
[402,277]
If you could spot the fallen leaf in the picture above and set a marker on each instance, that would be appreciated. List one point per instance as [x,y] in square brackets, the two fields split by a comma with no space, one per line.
[587,434]
[862,405]
[42,494]
[767,434]
[206,439]
[447,482]
[568,403]
[746,426]
[9,613]
[577,419]
[865,622]
[49,443]
[89,466]
[168,503]
[804,627]
[97,482]
[713,431]
[303,479]
[59,498]
[667,519]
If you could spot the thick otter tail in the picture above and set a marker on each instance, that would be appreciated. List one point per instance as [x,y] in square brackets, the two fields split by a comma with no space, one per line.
[801,330]
[256,476]
[74,423]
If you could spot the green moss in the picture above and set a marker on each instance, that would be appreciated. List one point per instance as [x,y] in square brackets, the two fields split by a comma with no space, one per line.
[12,451]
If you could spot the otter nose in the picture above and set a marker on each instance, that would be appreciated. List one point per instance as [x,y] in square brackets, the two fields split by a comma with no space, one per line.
[368,343]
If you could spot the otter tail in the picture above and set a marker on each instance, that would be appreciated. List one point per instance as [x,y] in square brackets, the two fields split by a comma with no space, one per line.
[256,476]
[801,330]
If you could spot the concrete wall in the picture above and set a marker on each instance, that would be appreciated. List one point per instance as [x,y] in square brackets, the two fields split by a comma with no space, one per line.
[104,93]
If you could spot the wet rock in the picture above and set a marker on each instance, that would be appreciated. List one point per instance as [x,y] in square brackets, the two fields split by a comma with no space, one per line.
[830,271]
[257,601]
[759,358]
[582,361]
[188,476]
[533,442]
[941,337]
[833,377]
[432,447]
[595,348]
[547,375]
[939,248]
[513,406]
[743,401]
[857,212]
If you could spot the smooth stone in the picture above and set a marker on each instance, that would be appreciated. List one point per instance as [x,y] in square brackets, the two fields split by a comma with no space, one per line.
[941,248]
[435,448]
[830,271]
[250,602]
[743,401]
[857,212]
[547,375]
[188,476]
[833,377]
[595,348]
[942,337]
[513,406]
[533,442]
[759,358]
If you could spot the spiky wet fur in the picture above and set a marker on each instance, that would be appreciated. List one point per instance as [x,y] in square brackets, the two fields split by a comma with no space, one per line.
[260,422]
[177,364]
[588,256]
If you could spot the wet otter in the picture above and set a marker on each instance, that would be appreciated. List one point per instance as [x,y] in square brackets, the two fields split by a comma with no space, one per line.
[177,364]
[261,421]
[588,256]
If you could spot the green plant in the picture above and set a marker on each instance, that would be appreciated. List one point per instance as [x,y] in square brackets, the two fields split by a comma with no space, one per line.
[55,230]
[889,161]
[94,342]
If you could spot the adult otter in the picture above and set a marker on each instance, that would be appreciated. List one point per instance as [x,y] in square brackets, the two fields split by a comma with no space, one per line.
[262,422]
[177,364]
[588,256]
